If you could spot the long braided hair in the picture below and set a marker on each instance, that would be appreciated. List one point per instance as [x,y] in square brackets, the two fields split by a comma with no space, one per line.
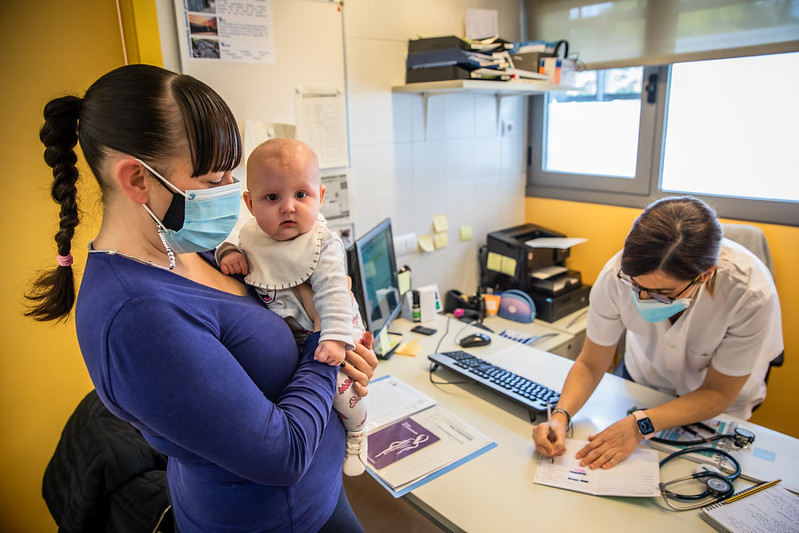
[139,110]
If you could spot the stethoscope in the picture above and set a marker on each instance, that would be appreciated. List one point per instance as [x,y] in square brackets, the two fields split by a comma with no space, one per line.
[718,485]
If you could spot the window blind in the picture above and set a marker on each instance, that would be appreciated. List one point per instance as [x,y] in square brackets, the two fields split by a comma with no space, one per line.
[623,33]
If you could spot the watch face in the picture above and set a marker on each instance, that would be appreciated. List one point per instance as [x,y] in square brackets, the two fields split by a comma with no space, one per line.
[645,426]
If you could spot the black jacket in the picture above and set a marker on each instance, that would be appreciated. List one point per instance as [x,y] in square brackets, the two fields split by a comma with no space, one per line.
[104,476]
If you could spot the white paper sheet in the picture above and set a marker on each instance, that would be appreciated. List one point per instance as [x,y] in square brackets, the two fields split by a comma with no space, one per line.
[391,399]
[554,242]
[638,475]
[322,124]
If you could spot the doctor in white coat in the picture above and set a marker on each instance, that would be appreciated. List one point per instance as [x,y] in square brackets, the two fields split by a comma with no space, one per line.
[702,321]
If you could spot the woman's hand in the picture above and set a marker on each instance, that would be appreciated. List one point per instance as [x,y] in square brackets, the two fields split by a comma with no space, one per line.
[360,364]
[543,438]
[609,447]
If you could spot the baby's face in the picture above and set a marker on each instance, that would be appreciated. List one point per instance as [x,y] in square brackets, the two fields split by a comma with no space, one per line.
[285,199]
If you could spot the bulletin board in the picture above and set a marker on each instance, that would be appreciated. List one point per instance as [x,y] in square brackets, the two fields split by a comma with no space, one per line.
[308,55]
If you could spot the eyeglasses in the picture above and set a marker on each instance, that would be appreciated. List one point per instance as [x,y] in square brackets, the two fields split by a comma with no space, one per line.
[656,294]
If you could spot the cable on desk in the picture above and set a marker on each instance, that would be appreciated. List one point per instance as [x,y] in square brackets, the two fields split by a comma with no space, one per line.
[433,366]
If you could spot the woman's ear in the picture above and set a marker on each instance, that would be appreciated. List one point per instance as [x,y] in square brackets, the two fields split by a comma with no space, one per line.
[707,274]
[130,175]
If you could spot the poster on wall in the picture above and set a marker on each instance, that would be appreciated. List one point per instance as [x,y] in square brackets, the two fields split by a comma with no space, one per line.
[322,123]
[337,203]
[232,31]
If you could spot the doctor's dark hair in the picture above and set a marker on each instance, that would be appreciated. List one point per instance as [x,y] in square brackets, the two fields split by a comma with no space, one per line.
[680,236]
[139,110]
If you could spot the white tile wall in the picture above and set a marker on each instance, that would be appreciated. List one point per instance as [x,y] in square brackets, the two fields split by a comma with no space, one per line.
[456,163]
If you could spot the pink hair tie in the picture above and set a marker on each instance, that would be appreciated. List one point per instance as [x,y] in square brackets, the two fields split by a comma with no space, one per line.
[64,260]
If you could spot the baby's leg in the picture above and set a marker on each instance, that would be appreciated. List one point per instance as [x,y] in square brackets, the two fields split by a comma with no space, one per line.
[351,408]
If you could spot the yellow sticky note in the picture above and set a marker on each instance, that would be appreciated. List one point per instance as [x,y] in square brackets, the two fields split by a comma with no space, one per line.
[426,243]
[440,223]
[494,262]
[508,266]
[404,279]
[440,240]
[408,348]
[466,233]
[382,341]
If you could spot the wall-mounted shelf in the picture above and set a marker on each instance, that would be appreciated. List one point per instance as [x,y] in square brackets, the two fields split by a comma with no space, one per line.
[499,89]
[512,87]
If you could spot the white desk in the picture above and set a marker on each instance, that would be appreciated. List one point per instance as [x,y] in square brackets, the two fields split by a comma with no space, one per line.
[495,491]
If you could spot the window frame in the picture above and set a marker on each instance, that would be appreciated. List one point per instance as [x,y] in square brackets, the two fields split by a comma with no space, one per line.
[645,187]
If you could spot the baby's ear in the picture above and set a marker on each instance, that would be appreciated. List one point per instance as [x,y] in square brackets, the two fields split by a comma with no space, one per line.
[322,190]
[248,201]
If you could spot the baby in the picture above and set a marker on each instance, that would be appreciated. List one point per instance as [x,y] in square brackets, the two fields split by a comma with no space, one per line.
[287,244]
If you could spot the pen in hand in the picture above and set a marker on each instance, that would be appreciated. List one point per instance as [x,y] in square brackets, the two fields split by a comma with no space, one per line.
[549,424]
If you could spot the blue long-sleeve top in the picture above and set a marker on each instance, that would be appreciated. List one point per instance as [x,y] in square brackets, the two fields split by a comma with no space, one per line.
[215,382]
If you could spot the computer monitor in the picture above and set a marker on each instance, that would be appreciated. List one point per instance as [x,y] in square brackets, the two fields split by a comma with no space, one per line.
[372,266]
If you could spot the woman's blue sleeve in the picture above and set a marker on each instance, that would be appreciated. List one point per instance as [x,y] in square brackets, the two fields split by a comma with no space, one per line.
[187,393]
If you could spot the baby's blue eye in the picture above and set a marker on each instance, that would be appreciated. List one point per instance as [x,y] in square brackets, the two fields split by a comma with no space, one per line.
[301,195]
[271,197]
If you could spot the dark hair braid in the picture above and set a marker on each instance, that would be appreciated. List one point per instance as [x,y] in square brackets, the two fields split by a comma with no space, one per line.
[139,110]
[53,293]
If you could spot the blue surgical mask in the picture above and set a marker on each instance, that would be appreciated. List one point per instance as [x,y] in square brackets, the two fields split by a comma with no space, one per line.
[208,216]
[654,311]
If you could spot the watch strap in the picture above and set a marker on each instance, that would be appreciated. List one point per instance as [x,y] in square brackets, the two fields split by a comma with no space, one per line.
[645,427]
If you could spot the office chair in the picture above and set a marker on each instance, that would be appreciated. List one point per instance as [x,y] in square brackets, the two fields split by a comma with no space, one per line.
[752,238]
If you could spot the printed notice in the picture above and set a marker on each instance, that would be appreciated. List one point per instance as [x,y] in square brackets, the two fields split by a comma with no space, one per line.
[234,31]
[322,124]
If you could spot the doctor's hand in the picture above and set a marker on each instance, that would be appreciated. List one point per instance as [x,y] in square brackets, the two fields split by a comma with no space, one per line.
[609,447]
[544,443]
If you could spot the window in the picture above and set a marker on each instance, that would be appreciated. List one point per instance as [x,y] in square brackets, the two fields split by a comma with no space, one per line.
[600,124]
[725,129]
[731,128]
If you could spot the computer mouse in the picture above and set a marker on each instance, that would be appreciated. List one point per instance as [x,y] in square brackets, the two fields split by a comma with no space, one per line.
[475,339]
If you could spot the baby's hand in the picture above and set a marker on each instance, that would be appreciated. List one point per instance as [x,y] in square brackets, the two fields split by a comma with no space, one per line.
[234,262]
[330,352]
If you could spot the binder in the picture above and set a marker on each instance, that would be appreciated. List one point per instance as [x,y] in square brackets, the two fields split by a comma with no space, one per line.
[452,56]
[452,41]
[421,75]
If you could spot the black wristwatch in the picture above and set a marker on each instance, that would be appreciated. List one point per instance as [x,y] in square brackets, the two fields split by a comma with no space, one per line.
[645,427]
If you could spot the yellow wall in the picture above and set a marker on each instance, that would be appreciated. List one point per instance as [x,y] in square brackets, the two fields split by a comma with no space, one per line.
[605,227]
[58,48]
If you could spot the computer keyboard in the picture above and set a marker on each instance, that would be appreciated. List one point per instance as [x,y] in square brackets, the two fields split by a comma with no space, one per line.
[504,382]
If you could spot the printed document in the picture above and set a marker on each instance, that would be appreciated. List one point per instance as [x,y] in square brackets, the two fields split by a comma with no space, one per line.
[638,475]
[411,440]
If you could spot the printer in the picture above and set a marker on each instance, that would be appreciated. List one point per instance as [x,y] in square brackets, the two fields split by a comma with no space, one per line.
[507,261]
